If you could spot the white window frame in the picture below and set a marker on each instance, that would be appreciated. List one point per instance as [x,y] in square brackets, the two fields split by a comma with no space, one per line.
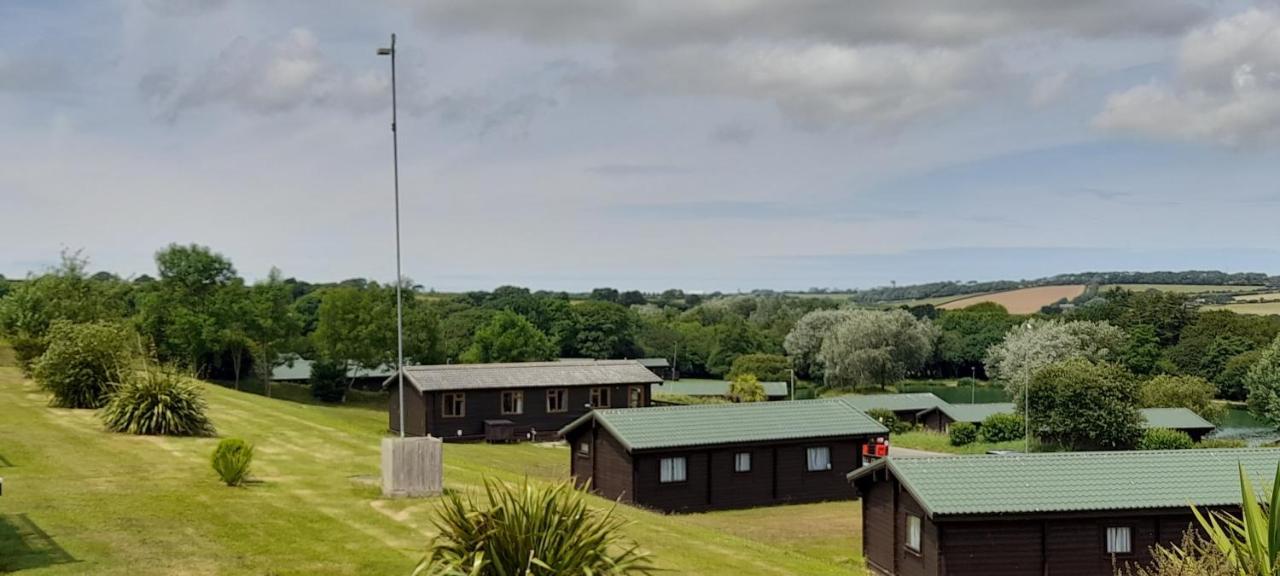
[914,527]
[742,462]
[601,393]
[814,463]
[561,397]
[518,396]
[447,402]
[1119,540]
[673,470]
[584,448]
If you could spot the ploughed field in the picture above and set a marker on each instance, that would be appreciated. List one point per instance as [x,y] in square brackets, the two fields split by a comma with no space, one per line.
[78,500]
[1022,300]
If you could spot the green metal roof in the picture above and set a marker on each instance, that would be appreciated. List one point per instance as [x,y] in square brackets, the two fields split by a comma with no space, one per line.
[299,369]
[1077,481]
[918,401]
[974,413]
[1175,419]
[698,387]
[711,424]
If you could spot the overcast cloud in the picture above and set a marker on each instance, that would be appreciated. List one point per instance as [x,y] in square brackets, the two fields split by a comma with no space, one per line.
[701,144]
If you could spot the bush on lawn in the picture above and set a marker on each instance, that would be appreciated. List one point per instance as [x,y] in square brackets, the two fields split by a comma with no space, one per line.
[157,403]
[1164,439]
[529,530]
[328,381]
[962,433]
[83,363]
[1210,443]
[231,460]
[890,420]
[1002,427]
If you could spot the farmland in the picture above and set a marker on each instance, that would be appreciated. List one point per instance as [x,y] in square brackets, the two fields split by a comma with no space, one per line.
[1184,288]
[79,500]
[1256,308]
[1023,300]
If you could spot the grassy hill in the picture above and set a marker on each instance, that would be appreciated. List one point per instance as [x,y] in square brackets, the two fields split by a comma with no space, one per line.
[79,500]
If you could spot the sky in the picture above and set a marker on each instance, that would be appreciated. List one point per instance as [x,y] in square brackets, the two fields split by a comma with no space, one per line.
[644,144]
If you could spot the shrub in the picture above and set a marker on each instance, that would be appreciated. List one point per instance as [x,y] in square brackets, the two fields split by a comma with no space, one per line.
[328,381]
[962,433]
[231,460]
[766,367]
[1164,439]
[530,531]
[746,388]
[83,363]
[1221,443]
[1191,392]
[1194,556]
[1082,405]
[157,402]
[1002,427]
[890,420]
[968,382]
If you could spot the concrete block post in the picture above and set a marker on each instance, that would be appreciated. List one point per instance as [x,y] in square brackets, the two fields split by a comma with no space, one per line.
[412,467]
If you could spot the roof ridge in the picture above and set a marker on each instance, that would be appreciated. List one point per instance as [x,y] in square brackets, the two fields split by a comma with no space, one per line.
[1210,452]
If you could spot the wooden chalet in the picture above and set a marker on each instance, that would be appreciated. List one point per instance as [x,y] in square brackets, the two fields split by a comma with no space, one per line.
[907,407]
[716,456]
[1078,514]
[1181,419]
[941,417]
[661,367]
[503,402]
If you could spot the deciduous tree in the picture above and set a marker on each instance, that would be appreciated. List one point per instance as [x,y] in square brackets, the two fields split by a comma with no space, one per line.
[872,348]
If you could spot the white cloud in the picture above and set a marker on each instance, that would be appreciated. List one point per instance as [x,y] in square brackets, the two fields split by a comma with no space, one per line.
[1226,91]
[266,78]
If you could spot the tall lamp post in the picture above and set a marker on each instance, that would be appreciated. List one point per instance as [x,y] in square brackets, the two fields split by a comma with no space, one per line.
[395,167]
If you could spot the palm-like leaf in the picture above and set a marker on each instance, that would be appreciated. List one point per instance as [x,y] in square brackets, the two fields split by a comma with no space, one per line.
[1252,541]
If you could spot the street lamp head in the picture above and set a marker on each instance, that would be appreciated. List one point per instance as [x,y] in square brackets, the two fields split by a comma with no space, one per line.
[384,51]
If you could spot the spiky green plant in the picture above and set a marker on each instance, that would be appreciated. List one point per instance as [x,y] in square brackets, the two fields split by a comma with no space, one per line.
[1252,541]
[524,530]
[157,402]
[231,460]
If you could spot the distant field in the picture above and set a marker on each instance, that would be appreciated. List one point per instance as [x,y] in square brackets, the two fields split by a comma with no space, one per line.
[1260,309]
[1257,297]
[1021,301]
[1183,288]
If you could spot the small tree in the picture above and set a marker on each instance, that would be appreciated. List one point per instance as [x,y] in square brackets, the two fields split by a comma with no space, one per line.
[766,367]
[1263,383]
[1164,439]
[962,433]
[1037,343]
[1081,404]
[1191,392]
[1002,427]
[328,381]
[84,363]
[873,348]
[746,388]
[509,337]
[529,531]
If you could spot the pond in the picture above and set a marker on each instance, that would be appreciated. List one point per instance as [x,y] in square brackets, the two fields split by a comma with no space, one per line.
[1239,423]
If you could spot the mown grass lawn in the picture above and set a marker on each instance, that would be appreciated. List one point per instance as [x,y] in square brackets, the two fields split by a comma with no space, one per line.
[936,442]
[78,500]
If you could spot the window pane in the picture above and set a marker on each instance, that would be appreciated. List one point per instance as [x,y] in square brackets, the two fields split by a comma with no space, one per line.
[1118,540]
[819,459]
[742,462]
[913,532]
[679,469]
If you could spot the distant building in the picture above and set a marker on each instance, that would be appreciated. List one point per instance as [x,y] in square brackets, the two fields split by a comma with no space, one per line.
[298,370]
[940,418]
[715,456]
[467,401]
[661,367]
[699,388]
[1081,513]
[906,407]
[1181,419]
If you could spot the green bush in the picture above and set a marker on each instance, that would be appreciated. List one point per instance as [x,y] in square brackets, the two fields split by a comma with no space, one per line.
[231,460]
[1221,443]
[529,530]
[1164,439]
[968,382]
[157,402]
[962,433]
[890,420]
[83,363]
[328,381]
[766,367]
[1002,427]
[746,388]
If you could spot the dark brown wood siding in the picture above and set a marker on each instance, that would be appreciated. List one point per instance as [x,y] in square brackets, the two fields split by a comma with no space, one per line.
[778,476]
[415,409]
[999,548]
[486,404]
[937,421]
[878,526]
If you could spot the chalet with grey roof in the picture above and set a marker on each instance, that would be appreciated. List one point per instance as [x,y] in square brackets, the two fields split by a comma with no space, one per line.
[510,401]
[1081,513]
[907,407]
[716,456]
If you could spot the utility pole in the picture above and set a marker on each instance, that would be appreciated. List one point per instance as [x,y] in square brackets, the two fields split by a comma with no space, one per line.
[395,167]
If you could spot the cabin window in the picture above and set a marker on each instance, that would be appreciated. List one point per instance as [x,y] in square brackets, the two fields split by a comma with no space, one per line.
[637,397]
[913,533]
[584,449]
[819,459]
[453,404]
[673,470]
[742,462]
[1119,540]
[557,400]
[512,402]
[600,397]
